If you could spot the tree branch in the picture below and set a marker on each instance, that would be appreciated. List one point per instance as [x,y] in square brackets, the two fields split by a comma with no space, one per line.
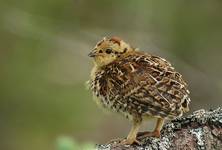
[202,130]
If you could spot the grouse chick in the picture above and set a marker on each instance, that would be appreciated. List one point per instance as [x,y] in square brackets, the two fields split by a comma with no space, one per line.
[136,84]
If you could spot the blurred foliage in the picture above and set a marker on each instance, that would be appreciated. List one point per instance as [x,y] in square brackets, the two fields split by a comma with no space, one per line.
[66,143]
[44,63]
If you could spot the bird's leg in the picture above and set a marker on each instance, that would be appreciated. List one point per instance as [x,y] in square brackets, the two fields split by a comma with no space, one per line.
[131,138]
[155,133]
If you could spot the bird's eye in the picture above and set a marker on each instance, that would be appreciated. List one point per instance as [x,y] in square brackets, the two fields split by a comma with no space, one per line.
[100,51]
[108,51]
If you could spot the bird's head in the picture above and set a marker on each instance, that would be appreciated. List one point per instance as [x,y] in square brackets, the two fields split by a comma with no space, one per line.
[109,49]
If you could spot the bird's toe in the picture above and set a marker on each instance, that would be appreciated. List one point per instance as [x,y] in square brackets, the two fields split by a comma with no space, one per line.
[129,142]
[142,135]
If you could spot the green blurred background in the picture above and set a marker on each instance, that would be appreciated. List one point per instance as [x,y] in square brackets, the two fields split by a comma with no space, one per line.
[44,64]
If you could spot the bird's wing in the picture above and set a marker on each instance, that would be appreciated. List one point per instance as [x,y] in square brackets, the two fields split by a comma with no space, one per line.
[150,83]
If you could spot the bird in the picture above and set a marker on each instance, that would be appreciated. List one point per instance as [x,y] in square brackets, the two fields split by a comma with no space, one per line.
[137,85]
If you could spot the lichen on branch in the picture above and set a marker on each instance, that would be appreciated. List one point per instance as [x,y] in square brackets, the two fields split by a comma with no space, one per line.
[202,130]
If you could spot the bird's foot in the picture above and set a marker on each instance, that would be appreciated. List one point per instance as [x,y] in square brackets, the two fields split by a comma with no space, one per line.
[142,135]
[115,141]
[123,142]
[129,142]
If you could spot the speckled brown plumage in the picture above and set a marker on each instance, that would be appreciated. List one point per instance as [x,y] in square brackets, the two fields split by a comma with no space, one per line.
[136,84]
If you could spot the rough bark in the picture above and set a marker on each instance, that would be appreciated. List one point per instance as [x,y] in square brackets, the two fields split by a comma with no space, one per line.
[200,131]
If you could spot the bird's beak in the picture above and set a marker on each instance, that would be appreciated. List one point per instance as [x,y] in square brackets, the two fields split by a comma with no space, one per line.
[92,54]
